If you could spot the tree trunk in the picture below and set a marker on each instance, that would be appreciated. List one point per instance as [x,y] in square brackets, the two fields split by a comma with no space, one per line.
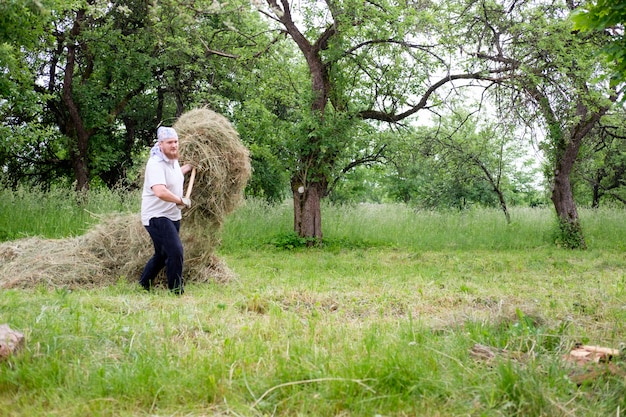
[562,196]
[307,212]
[503,205]
[571,233]
[595,188]
[309,186]
[75,126]
[78,154]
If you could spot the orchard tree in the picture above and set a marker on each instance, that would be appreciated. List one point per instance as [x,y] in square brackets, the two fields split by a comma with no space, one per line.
[463,160]
[22,27]
[369,65]
[103,76]
[86,65]
[551,78]
[601,173]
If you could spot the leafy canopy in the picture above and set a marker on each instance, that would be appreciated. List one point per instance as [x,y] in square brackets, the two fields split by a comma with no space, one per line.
[608,16]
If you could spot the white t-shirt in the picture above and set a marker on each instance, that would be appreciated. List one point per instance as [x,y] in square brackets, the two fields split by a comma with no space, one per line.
[159,171]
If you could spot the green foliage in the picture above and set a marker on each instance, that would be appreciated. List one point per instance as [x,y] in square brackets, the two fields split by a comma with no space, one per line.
[21,149]
[136,65]
[22,27]
[569,235]
[463,161]
[599,178]
[290,241]
[264,131]
[607,16]
[362,184]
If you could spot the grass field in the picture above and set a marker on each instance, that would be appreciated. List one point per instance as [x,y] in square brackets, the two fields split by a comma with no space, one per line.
[381,321]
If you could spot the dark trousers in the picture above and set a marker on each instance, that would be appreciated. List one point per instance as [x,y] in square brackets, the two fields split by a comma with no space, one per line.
[168,253]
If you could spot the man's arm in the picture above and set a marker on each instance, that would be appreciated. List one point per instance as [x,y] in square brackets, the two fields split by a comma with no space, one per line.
[161,191]
[186,168]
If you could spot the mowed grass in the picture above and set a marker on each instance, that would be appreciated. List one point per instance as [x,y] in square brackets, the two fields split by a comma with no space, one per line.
[378,322]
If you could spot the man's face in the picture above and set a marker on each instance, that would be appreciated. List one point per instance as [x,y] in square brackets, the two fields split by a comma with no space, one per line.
[169,147]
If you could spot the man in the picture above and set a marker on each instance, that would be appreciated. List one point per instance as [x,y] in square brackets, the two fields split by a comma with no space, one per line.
[161,204]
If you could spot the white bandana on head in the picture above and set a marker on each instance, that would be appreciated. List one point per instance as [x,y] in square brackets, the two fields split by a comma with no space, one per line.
[163,133]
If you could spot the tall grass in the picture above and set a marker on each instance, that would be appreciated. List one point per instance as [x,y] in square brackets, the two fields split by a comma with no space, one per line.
[61,213]
[402,226]
[397,225]
[604,228]
[58,212]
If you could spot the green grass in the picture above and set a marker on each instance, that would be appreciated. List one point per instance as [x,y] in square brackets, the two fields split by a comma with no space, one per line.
[380,321]
[389,225]
[57,213]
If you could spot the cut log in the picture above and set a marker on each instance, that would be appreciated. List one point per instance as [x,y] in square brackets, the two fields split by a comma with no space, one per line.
[592,362]
[11,341]
[583,354]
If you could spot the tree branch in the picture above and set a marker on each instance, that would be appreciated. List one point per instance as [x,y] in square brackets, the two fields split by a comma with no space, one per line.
[375,157]
[393,118]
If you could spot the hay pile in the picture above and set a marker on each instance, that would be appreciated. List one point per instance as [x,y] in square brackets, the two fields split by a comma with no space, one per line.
[119,246]
[35,262]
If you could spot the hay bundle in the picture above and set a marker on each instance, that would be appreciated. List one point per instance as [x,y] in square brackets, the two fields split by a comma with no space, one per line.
[212,145]
[120,243]
[119,246]
[122,246]
[209,142]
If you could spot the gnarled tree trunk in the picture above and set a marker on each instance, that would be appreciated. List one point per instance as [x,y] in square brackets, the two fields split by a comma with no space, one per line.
[571,233]
[75,127]
[562,196]
[309,186]
[307,212]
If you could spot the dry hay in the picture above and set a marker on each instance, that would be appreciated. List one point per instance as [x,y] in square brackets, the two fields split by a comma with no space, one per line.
[209,142]
[31,262]
[119,246]
[212,146]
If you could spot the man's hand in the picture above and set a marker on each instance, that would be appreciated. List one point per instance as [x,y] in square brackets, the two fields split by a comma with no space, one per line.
[186,203]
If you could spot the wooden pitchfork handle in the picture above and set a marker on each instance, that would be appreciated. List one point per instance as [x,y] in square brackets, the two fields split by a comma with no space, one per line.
[192,178]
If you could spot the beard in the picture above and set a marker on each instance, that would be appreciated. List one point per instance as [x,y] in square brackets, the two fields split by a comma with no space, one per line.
[170,154]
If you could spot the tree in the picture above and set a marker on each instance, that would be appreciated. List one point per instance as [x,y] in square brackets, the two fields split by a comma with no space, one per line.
[552,78]
[380,62]
[79,87]
[601,172]
[22,27]
[462,160]
[104,76]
